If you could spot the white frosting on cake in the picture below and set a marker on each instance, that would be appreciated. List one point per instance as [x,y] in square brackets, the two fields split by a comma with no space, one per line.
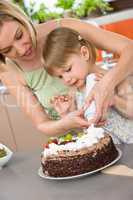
[92,137]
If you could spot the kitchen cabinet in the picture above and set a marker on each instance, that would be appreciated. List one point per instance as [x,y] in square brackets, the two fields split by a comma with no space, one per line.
[6,135]
[124,27]
[24,134]
[119,5]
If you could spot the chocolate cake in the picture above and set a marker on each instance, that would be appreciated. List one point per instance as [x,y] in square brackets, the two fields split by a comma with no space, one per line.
[73,155]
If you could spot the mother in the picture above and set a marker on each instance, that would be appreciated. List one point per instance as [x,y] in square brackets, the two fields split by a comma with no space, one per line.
[21,49]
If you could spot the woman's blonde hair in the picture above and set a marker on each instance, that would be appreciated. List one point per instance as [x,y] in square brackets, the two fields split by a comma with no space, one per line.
[10,11]
[60,44]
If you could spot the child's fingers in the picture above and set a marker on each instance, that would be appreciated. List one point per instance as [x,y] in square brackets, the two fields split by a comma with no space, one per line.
[58,98]
[85,123]
[53,99]
[67,97]
[101,123]
[64,98]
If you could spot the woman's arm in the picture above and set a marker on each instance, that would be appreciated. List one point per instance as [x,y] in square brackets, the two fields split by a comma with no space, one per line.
[105,40]
[25,98]
[101,39]
[32,108]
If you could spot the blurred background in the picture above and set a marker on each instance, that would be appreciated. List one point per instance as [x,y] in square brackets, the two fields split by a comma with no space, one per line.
[43,10]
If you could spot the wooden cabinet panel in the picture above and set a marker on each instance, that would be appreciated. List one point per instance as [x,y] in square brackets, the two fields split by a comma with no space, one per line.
[119,5]
[6,136]
[26,136]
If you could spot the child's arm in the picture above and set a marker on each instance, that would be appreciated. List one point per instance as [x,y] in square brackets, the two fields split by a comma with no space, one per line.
[124,98]
[30,105]
[124,105]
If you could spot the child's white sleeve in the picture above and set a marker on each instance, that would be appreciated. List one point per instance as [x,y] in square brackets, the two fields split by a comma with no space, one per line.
[90,82]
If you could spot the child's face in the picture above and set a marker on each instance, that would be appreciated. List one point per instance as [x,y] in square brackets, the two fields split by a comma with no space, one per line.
[75,71]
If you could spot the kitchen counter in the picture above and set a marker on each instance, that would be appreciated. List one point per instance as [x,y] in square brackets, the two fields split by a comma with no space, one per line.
[112,17]
[19,180]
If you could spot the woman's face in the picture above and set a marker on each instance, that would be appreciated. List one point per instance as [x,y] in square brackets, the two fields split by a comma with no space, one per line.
[15,41]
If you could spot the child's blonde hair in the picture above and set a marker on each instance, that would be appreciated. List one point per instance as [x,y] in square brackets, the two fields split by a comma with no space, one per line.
[60,44]
[8,12]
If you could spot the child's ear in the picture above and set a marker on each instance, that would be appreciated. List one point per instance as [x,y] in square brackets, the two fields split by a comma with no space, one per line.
[85,53]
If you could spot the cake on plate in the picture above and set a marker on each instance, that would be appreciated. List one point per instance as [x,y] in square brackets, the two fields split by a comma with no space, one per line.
[72,155]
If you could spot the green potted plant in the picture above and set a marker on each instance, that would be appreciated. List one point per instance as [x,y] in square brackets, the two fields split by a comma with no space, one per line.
[40,15]
[70,8]
[67,6]
[93,7]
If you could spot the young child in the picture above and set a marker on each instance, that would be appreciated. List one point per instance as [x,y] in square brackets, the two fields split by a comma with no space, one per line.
[72,58]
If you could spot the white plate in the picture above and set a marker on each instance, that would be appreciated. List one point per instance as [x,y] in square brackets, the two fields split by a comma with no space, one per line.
[5,159]
[42,175]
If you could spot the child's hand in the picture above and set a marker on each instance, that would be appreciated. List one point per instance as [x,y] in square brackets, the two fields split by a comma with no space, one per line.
[101,123]
[75,120]
[62,104]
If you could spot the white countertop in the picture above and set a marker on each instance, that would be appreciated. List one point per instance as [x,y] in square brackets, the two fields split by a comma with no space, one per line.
[21,177]
[113,17]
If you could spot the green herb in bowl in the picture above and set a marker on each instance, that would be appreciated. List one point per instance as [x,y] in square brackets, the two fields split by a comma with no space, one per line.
[2,153]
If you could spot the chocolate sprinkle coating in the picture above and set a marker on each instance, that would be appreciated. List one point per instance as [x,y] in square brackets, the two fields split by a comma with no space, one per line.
[92,158]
